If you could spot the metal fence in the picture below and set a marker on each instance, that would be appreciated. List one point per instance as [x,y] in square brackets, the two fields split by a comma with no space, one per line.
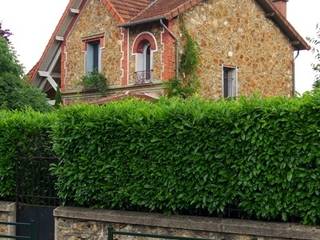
[30,226]
[34,182]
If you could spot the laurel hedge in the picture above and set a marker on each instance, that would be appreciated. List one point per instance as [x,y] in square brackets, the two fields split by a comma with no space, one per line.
[262,156]
[22,135]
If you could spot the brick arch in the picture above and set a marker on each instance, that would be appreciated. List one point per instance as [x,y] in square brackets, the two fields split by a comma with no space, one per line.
[141,40]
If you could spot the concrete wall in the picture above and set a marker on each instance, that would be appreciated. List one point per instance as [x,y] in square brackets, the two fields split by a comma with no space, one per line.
[79,223]
[7,214]
[237,33]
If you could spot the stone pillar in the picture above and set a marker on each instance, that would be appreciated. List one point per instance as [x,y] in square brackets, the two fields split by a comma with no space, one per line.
[7,214]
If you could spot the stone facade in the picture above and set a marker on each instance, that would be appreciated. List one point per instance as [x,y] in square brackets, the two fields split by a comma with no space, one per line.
[94,20]
[76,224]
[229,33]
[7,214]
[237,33]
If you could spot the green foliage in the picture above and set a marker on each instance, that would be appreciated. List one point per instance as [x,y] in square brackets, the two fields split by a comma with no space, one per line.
[188,83]
[95,81]
[190,57]
[260,155]
[8,60]
[316,51]
[177,88]
[58,99]
[16,92]
[5,33]
[22,134]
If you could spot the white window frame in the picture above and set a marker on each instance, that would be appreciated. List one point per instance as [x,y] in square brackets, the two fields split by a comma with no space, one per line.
[235,69]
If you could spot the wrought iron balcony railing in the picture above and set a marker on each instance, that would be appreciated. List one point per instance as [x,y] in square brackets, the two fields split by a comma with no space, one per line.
[143,77]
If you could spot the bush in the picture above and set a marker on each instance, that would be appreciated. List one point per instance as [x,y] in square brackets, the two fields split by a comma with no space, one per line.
[23,134]
[95,81]
[260,155]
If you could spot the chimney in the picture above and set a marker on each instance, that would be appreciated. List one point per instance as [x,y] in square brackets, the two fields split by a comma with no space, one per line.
[281,5]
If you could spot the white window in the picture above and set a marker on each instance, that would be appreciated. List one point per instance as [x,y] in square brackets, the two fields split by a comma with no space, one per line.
[144,64]
[229,81]
[93,56]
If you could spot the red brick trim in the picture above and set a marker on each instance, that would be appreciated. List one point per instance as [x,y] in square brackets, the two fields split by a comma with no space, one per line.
[124,64]
[94,38]
[141,39]
[168,53]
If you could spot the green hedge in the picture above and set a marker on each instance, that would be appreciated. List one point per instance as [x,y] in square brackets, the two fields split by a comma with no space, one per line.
[261,155]
[22,134]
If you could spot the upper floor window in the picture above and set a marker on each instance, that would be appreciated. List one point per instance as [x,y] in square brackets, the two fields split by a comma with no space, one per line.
[143,48]
[144,61]
[229,81]
[93,56]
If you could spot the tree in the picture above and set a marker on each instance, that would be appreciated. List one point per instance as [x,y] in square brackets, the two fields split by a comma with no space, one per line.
[5,33]
[15,91]
[316,51]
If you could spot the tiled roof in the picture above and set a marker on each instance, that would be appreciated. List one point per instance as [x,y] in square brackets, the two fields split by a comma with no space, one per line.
[169,9]
[129,8]
[165,8]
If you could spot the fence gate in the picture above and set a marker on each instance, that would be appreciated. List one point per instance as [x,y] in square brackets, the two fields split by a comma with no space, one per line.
[35,196]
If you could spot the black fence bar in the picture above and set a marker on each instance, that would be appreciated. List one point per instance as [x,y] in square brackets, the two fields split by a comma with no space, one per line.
[32,227]
[15,224]
[111,233]
[16,237]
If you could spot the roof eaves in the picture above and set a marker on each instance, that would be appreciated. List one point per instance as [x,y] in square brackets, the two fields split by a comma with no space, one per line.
[142,21]
[296,40]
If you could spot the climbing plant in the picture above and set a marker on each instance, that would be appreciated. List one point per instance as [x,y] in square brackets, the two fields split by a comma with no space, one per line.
[187,83]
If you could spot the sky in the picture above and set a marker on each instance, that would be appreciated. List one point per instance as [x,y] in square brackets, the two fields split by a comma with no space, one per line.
[33,21]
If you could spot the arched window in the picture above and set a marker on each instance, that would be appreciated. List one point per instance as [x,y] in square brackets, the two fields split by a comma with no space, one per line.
[143,49]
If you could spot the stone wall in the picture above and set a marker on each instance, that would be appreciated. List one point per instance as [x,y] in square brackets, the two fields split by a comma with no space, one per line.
[7,214]
[77,223]
[94,20]
[237,33]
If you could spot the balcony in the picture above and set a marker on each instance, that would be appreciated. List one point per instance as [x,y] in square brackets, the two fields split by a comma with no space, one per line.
[143,77]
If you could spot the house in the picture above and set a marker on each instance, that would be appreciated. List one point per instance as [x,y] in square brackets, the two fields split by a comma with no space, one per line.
[246,46]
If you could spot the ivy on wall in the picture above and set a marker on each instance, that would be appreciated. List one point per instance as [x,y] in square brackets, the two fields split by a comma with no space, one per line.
[187,83]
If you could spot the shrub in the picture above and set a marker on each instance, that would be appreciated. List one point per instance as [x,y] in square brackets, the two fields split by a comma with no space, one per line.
[95,81]
[259,155]
[23,134]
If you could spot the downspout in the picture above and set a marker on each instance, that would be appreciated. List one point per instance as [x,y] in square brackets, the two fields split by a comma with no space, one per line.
[294,74]
[176,46]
